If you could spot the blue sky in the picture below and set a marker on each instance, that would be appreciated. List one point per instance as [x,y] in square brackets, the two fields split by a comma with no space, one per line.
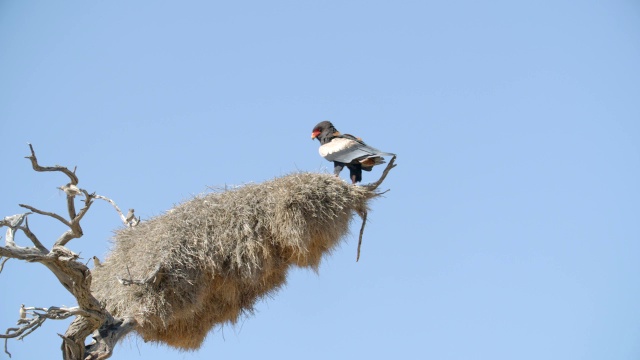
[511,228]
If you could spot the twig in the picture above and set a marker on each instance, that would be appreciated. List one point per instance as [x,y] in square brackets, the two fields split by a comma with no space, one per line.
[20,332]
[364,221]
[34,239]
[374,185]
[147,280]
[46,213]
[6,351]
[41,315]
[130,280]
[371,187]
[2,263]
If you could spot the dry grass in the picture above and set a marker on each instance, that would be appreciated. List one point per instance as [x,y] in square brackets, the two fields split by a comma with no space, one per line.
[207,261]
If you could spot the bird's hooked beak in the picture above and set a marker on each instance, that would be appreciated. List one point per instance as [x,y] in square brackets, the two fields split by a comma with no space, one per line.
[315,134]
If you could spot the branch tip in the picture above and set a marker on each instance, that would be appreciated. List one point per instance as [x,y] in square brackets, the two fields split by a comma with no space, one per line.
[374,185]
[364,222]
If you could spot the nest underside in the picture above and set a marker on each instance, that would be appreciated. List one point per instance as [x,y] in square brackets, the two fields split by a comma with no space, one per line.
[207,261]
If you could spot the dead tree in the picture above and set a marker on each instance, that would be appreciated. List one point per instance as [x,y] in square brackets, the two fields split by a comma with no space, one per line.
[202,264]
[90,314]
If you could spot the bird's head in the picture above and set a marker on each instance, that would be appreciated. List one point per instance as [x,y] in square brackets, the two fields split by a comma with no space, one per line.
[324,127]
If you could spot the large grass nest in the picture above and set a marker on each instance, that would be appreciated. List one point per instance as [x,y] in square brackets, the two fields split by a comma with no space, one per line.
[207,261]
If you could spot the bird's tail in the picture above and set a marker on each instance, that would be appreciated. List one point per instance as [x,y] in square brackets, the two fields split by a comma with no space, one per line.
[370,162]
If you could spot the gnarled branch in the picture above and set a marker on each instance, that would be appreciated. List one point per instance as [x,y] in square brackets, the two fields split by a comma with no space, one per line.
[34,162]
[90,315]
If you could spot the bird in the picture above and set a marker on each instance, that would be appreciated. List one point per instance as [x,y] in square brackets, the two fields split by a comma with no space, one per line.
[23,312]
[346,150]
[96,262]
[130,216]
[70,189]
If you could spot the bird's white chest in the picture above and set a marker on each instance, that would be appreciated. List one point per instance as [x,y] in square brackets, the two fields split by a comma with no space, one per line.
[336,147]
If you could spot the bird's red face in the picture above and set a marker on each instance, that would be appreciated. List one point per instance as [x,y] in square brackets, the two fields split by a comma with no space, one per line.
[315,133]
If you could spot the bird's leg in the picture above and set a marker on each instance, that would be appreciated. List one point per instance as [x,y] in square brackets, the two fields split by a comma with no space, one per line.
[355,173]
[337,168]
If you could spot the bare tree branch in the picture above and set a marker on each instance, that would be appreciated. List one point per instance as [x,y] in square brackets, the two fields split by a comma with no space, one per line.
[3,262]
[20,332]
[12,222]
[34,162]
[30,254]
[46,213]
[34,239]
[364,222]
[39,315]
[71,206]
[129,220]
[374,185]
[88,201]
[76,230]
[29,325]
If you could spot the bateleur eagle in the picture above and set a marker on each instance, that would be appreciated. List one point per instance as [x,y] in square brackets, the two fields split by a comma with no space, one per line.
[346,150]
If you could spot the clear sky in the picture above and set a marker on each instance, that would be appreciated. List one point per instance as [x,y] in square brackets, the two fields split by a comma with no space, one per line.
[512,228]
